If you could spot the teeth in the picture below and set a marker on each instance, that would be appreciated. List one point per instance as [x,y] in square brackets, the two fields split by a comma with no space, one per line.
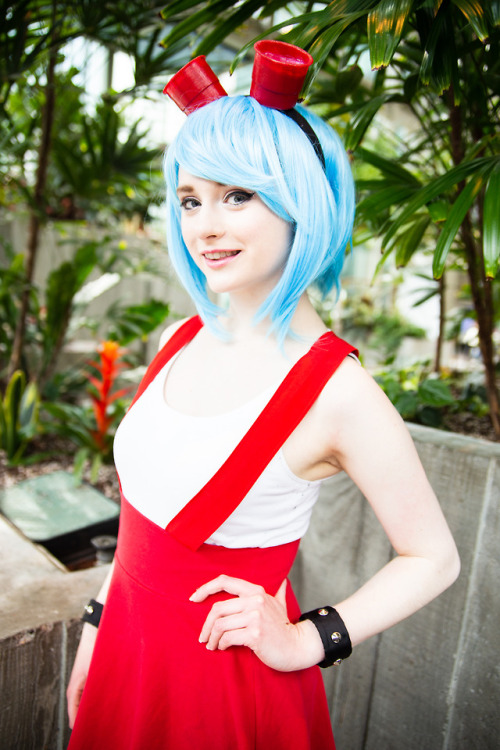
[222,254]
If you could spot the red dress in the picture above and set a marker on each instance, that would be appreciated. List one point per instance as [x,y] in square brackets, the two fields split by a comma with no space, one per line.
[151,684]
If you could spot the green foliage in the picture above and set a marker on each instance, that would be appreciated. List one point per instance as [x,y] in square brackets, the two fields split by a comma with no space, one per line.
[381,330]
[91,425]
[58,311]
[19,424]
[100,163]
[427,400]
[136,321]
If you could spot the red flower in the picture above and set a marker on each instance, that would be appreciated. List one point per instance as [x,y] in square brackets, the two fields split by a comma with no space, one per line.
[108,368]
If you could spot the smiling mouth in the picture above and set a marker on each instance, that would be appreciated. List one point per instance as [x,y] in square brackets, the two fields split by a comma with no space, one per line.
[219,254]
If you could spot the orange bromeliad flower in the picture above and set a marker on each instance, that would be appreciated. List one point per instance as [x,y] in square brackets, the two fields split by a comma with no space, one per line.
[109,366]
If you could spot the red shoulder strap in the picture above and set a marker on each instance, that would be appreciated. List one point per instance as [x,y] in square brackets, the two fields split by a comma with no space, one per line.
[180,338]
[215,502]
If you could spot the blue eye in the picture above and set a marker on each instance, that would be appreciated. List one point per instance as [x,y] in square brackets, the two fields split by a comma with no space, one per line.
[238,197]
[187,204]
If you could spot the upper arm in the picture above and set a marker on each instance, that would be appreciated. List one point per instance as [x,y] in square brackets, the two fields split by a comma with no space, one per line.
[370,441]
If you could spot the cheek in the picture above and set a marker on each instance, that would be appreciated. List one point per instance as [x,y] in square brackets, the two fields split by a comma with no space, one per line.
[186,233]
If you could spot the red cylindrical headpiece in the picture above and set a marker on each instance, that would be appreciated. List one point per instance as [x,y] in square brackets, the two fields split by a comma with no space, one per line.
[194,85]
[278,73]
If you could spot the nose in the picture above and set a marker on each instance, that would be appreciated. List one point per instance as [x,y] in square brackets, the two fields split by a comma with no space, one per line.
[210,223]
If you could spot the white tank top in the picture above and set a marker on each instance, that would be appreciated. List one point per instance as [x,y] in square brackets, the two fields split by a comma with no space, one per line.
[164,458]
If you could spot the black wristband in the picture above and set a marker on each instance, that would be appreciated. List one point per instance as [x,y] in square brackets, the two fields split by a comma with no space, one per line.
[333,632]
[93,612]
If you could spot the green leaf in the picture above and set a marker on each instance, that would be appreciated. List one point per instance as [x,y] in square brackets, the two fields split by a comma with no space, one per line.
[178,6]
[434,189]
[28,411]
[194,21]
[439,210]
[81,458]
[222,30]
[491,224]
[362,119]
[385,27]
[407,404]
[410,240]
[439,63]
[379,200]
[454,221]
[475,13]
[435,393]
[494,9]
[388,167]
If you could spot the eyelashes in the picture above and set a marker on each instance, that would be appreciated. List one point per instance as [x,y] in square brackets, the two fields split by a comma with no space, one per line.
[236,197]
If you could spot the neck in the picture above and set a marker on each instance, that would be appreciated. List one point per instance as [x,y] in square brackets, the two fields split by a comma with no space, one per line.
[239,321]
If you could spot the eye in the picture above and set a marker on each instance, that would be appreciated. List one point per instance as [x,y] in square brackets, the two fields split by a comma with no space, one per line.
[238,197]
[188,203]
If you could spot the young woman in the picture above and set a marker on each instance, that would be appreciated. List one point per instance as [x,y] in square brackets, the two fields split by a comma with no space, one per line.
[241,416]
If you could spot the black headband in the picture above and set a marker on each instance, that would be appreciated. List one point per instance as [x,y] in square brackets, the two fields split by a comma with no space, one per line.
[308,131]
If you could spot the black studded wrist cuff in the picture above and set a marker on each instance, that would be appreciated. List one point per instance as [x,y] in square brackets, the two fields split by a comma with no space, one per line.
[333,632]
[92,613]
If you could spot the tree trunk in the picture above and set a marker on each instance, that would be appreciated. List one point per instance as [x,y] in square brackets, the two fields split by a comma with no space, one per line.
[442,316]
[36,211]
[480,287]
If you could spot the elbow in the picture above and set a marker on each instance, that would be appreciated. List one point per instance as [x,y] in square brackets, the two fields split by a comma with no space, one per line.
[450,566]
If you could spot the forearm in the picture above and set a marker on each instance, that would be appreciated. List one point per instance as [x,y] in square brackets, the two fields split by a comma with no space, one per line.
[395,592]
[103,591]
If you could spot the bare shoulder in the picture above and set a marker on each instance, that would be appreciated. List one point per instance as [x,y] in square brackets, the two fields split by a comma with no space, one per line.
[169,332]
[359,414]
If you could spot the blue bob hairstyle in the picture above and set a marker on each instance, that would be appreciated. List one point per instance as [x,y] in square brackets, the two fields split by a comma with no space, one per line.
[237,141]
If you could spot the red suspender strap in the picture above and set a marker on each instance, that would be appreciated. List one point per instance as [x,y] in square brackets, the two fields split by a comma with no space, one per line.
[180,338]
[215,502]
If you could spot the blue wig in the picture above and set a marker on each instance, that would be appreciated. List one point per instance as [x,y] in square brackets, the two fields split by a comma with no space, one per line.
[237,141]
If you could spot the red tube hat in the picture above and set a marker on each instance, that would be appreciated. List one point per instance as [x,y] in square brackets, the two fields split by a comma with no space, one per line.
[279,73]
[194,85]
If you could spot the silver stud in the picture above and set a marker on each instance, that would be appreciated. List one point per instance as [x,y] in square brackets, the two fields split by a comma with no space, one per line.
[322,612]
[336,637]
[89,609]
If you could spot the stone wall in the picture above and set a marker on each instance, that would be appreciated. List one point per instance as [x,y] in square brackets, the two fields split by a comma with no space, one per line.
[433,681]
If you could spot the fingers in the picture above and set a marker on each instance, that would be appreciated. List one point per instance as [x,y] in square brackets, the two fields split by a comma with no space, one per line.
[73,695]
[228,615]
[235,586]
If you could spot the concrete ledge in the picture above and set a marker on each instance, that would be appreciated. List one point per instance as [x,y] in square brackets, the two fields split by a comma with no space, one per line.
[460,443]
[35,588]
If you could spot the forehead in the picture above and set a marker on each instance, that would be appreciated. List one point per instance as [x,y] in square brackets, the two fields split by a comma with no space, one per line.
[187,182]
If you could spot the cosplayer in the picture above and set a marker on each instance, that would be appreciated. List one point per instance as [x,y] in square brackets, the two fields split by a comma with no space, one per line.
[245,410]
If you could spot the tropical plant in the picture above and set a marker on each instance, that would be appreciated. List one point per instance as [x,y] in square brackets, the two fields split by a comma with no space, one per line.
[380,329]
[90,426]
[19,424]
[86,157]
[428,399]
[439,60]
[58,312]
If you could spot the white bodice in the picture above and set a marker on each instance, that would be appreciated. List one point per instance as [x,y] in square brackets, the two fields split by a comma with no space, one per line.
[164,458]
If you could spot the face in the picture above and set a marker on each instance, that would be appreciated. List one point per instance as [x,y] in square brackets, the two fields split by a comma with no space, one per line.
[238,243]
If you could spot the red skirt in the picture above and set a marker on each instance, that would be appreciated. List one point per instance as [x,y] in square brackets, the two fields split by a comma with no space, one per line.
[153,686]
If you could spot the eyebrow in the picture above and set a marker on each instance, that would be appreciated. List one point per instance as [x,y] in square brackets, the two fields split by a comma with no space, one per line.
[184,189]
